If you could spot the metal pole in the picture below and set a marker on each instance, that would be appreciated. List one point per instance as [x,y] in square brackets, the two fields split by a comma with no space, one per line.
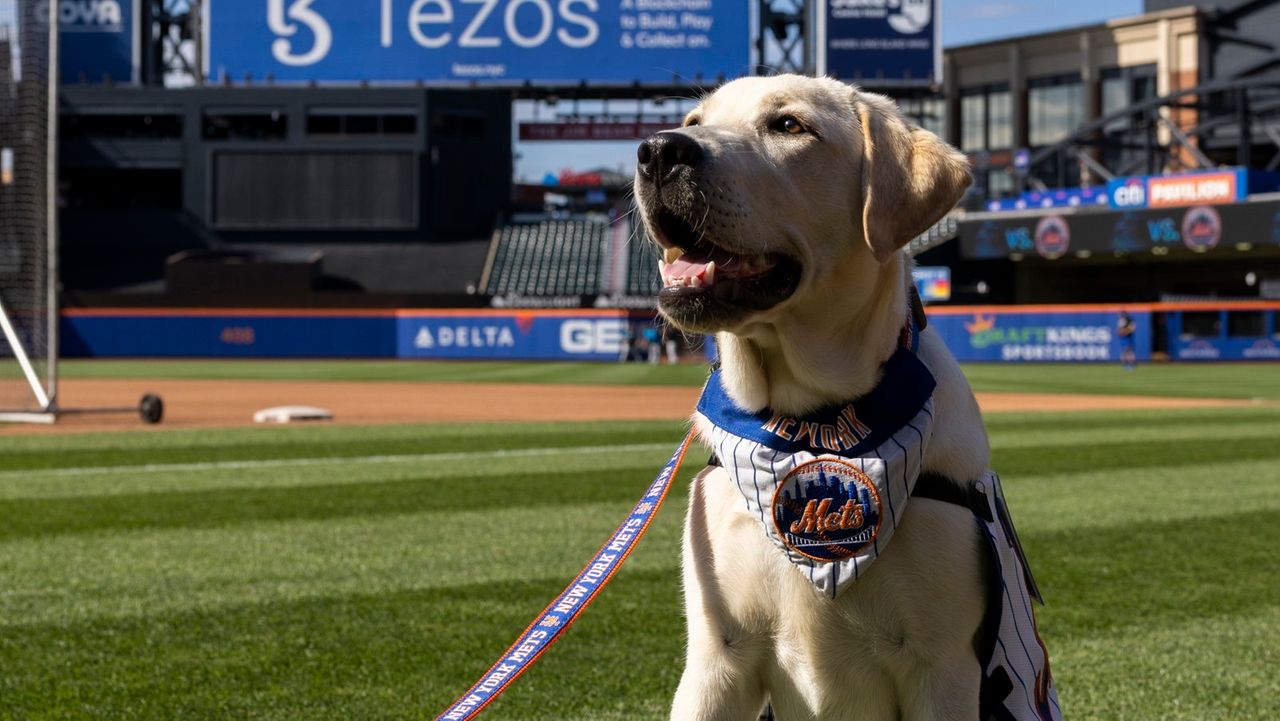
[51,185]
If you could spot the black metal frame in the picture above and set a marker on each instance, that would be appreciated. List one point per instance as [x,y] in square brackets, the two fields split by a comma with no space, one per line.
[1243,112]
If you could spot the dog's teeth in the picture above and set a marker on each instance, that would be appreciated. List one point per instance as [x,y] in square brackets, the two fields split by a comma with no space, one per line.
[671,255]
[709,275]
[695,281]
[662,268]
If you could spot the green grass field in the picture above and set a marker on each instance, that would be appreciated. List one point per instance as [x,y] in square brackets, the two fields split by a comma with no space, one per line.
[1223,380]
[374,573]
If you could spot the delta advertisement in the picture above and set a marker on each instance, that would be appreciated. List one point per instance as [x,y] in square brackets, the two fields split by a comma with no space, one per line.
[992,335]
[472,334]
[673,42]
[531,335]
[1165,231]
[97,39]
[880,42]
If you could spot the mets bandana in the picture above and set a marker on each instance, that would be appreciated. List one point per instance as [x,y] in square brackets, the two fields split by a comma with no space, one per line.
[829,489]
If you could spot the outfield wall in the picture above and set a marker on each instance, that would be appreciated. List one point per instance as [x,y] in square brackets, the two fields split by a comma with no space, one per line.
[1072,333]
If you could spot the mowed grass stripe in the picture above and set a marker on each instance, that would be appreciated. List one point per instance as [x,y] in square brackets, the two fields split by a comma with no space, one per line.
[130,573]
[1220,668]
[555,488]
[384,655]
[118,480]
[1210,380]
[449,457]
[254,444]
[1051,500]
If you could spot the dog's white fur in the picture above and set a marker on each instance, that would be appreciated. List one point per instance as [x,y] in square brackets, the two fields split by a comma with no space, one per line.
[842,199]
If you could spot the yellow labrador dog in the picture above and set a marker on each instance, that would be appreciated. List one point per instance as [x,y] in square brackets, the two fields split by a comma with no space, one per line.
[780,208]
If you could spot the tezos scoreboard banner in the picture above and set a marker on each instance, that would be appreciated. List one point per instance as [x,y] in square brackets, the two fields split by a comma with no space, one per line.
[493,41]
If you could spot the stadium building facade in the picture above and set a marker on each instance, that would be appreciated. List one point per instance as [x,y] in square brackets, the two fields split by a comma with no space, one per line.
[1127,161]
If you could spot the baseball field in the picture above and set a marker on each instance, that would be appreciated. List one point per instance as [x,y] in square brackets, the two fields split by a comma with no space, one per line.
[373,567]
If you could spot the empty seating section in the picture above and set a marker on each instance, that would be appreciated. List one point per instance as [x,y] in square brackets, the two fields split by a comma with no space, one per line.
[642,266]
[563,257]
[548,258]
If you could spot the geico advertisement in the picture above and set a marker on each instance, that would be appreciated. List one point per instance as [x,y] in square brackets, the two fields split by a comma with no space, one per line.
[610,41]
[524,336]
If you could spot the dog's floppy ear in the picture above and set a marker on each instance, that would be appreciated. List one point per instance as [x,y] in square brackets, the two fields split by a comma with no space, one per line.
[910,177]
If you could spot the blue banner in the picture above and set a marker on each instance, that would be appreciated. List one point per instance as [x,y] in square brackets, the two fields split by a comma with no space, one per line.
[1221,344]
[497,41]
[988,335]
[933,283]
[530,335]
[179,334]
[880,42]
[97,40]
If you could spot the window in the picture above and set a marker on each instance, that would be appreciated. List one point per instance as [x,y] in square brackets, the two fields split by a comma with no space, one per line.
[121,126]
[999,184]
[999,119]
[986,118]
[1201,324]
[1246,324]
[928,113]
[1123,87]
[973,122]
[244,124]
[1055,108]
[362,122]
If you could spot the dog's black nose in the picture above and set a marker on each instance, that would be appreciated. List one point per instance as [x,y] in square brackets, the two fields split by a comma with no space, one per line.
[663,153]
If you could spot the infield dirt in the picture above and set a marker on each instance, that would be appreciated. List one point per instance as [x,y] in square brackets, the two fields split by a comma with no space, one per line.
[221,403]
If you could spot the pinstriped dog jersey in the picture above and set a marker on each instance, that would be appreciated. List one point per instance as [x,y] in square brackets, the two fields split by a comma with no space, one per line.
[830,489]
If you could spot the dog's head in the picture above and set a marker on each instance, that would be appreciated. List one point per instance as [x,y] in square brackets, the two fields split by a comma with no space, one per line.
[776,188]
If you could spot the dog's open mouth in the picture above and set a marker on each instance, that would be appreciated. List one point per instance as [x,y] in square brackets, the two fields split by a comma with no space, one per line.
[700,277]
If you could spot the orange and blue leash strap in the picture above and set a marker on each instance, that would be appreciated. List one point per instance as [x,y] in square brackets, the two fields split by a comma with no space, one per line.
[551,623]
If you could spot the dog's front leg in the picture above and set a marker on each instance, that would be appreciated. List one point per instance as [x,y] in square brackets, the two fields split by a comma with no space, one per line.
[721,680]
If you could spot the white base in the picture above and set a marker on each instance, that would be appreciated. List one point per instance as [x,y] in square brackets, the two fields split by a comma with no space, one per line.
[47,417]
[292,414]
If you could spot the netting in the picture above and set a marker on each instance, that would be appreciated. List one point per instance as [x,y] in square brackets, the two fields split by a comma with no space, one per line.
[25,70]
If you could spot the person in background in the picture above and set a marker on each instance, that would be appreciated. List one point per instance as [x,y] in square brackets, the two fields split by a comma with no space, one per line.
[653,344]
[669,343]
[1125,331]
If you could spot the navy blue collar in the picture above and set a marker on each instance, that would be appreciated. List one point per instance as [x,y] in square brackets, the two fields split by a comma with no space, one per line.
[851,429]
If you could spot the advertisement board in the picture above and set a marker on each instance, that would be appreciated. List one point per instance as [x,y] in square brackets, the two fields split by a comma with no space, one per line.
[97,39]
[880,42]
[1209,187]
[933,283]
[1222,345]
[527,335]
[1042,335]
[124,333]
[678,42]
[1167,231]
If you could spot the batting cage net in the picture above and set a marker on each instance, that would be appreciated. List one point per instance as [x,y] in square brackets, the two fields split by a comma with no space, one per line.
[28,339]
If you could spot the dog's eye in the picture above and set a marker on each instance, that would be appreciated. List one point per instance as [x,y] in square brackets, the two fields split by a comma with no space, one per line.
[787,124]
[690,122]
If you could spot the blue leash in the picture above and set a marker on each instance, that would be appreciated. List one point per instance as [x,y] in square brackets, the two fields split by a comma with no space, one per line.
[551,623]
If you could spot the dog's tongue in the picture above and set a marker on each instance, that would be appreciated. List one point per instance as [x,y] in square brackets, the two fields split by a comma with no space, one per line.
[685,267]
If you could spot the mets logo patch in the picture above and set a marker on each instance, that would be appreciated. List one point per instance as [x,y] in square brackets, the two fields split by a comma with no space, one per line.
[827,510]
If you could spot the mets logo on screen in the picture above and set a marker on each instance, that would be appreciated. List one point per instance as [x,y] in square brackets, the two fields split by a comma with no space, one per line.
[827,510]
[1053,237]
[1201,228]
